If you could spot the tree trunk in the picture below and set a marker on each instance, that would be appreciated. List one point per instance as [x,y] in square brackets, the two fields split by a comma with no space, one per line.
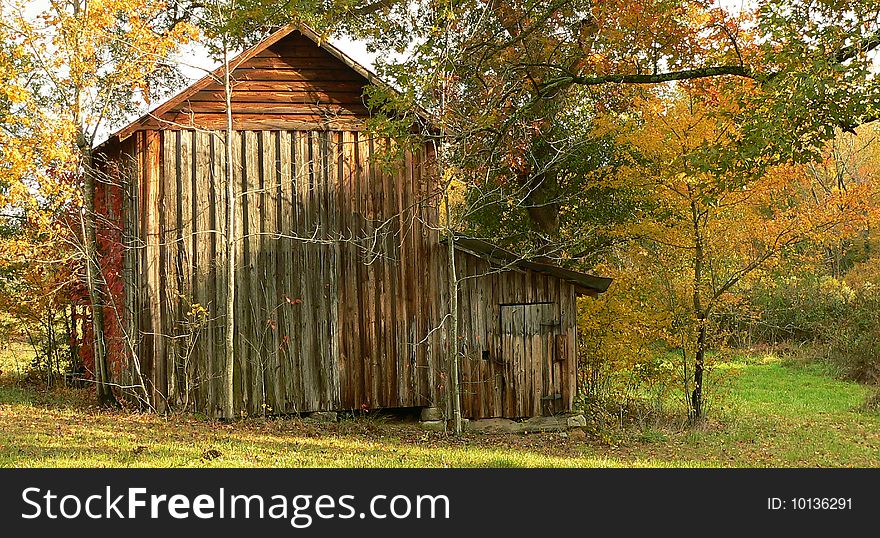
[452,359]
[228,386]
[541,186]
[700,354]
[542,204]
[94,281]
[699,361]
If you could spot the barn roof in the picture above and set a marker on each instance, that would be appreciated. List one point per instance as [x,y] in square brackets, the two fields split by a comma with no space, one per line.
[499,256]
[246,55]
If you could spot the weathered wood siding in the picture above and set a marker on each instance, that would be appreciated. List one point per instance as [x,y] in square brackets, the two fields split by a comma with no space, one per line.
[334,263]
[341,286]
[290,85]
[518,331]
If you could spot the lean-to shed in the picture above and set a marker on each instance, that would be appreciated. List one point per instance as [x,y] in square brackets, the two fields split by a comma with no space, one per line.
[341,276]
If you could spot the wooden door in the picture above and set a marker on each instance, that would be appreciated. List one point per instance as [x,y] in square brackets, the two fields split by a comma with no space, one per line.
[531,371]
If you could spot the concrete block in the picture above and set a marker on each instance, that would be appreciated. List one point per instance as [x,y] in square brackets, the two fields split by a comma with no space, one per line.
[577,421]
[431,413]
[544,424]
[322,416]
[433,425]
[495,425]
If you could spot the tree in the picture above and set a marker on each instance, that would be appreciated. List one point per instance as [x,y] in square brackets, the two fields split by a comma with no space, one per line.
[93,64]
[719,227]
[516,152]
[526,75]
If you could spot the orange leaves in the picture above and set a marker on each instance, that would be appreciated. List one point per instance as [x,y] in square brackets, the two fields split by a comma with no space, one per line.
[65,73]
[640,33]
[709,231]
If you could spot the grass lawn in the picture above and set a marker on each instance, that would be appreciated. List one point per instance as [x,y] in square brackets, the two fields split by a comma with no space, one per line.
[773,415]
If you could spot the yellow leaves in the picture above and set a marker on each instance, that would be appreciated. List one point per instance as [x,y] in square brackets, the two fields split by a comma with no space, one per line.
[742,223]
[455,192]
[62,72]
[14,94]
[108,42]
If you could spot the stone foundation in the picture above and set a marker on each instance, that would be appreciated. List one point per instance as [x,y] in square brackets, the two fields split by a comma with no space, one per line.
[558,423]
[322,417]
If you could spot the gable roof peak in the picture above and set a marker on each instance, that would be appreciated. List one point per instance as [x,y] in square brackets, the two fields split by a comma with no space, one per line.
[235,62]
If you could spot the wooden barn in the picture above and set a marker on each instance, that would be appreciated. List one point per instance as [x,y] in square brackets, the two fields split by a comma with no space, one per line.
[341,275]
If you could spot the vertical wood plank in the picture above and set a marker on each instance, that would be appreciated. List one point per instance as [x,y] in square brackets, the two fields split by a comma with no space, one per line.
[350,353]
[319,268]
[308,232]
[152,268]
[300,182]
[288,293]
[203,280]
[301,190]
[468,336]
[406,319]
[268,261]
[385,290]
[571,352]
[428,245]
[334,250]
[242,308]
[129,163]
[377,192]
[540,381]
[416,335]
[183,301]
[370,313]
[168,290]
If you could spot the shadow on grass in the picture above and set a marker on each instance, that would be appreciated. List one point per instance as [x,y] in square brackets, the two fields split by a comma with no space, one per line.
[66,431]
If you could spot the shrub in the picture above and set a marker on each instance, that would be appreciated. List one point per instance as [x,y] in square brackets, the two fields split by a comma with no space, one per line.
[838,318]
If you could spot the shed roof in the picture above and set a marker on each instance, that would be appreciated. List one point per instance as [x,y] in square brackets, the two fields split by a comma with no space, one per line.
[246,55]
[499,256]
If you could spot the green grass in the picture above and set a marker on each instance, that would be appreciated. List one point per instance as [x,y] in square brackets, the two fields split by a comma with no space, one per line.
[773,414]
[776,415]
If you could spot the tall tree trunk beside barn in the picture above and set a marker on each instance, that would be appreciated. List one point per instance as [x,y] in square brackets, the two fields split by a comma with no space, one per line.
[443,169]
[229,343]
[453,347]
[91,65]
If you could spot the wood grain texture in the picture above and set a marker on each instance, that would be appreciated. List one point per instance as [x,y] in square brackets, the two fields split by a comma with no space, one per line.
[519,332]
[293,84]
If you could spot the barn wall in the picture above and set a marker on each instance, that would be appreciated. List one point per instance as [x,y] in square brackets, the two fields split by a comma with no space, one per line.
[341,283]
[110,211]
[334,275]
[492,385]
